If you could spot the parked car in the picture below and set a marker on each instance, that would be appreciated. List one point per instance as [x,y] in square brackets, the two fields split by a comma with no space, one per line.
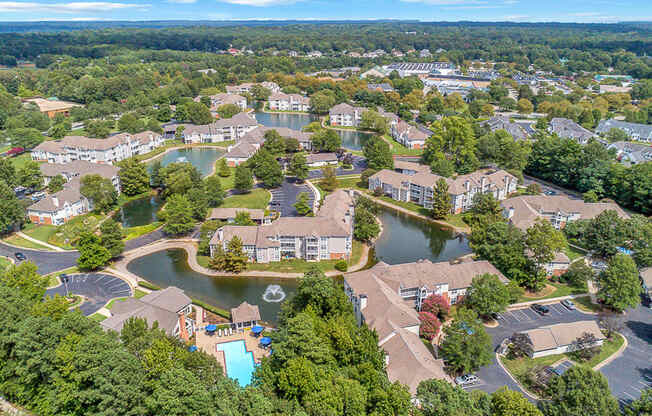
[20,256]
[568,304]
[540,309]
[37,196]
[550,192]
[466,380]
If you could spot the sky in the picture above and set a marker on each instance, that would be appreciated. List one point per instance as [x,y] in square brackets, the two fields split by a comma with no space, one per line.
[582,11]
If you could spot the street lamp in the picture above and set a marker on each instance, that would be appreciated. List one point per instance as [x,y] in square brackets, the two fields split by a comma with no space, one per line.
[64,279]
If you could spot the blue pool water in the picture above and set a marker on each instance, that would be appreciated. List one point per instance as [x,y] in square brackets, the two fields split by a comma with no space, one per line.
[239,361]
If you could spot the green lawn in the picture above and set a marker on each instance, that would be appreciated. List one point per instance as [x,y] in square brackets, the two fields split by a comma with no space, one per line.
[560,289]
[97,317]
[133,232]
[41,232]
[137,294]
[4,263]
[66,235]
[20,160]
[295,265]
[258,198]
[584,303]
[407,205]
[54,277]
[573,253]
[21,242]
[168,144]
[399,149]
[342,183]
[227,183]
[456,220]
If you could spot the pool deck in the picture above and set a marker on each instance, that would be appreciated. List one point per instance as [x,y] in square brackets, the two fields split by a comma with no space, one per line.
[208,343]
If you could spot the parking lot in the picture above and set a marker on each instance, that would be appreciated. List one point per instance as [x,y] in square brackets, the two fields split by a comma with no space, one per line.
[628,375]
[96,288]
[285,196]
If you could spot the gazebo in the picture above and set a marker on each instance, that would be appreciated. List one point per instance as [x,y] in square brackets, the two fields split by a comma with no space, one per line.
[245,315]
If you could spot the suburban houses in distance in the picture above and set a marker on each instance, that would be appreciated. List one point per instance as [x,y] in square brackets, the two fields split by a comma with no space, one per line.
[418,185]
[279,101]
[223,99]
[640,132]
[245,88]
[523,211]
[568,129]
[388,297]
[326,236]
[110,150]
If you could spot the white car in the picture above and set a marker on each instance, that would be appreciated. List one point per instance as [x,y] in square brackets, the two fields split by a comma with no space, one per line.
[466,380]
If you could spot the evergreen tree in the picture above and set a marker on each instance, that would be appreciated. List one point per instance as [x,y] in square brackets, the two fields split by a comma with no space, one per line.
[441,202]
[134,178]
[223,169]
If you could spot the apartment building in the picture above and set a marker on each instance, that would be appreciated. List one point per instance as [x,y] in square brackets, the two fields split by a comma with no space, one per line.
[288,102]
[631,153]
[346,115]
[170,308]
[79,168]
[60,207]
[218,100]
[419,187]
[524,211]
[568,129]
[634,131]
[254,139]
[387,298]
[409,136]
[221,130]
[326,236]
[245,88]
[519,131]
[110,150]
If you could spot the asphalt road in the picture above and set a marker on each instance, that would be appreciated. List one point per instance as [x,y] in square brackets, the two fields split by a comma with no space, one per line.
[547,187]
[97,288]
[284,197]
[628,374]
[46,261]
[359,165]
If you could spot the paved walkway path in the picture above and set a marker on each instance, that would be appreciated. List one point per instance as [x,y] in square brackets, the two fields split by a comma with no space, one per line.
[39,242]
[414,214]
[119,267]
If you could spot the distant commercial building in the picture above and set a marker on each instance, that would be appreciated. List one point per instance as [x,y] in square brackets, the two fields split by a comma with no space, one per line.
[51,106]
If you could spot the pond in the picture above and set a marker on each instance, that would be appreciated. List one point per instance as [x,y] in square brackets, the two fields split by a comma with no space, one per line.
[170,268]
[293,121]
[407,239]
[141,211]
[353,140]
[203,158]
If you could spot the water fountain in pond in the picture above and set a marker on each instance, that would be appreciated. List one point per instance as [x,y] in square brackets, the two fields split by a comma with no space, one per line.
[273,294]
[182,159]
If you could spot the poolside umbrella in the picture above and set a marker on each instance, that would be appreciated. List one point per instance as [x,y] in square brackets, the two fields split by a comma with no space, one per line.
[192,348]
[265,341]
[211,328]
[257,329]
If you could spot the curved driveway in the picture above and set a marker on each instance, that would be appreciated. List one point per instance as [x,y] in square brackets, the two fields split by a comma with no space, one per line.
[46,261]
[97,288]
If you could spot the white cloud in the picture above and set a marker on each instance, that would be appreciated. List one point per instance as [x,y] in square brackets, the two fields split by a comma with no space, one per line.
[259,3]
[74,7]
[446,2]
[182,1]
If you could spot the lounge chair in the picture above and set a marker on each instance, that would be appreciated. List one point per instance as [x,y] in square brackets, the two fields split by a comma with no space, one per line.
[219,332]
[230,331]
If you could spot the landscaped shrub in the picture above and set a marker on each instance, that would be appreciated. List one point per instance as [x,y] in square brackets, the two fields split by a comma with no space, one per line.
[436,305]
[430,325]
[217,311]
[148,285]
[341,265]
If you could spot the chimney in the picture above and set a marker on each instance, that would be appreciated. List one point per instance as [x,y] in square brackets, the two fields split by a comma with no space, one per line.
[467,186]
[510,212]
[363,302]
[55,201]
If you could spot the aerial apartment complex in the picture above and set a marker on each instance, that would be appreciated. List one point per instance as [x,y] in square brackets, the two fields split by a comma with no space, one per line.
[288,102]
[417,185]
[326,236]
[110,150]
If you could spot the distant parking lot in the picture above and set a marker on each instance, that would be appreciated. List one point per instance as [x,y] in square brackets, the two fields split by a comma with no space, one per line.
[628,375]
[97,288]
[285,196]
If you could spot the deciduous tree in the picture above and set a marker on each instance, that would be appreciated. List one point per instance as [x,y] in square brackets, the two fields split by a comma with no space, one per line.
[619,285]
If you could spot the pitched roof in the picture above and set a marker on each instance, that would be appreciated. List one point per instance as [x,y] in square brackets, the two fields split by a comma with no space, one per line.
[50,146]
[560,335]
[240,119]
[53,203]
[171,299]
[136,308]
[52,105]
[410,362]
[405,165]
[245,313]
[226,213]
[79,168]
[641,130]
[241,150]
[569,129]
[528,208]
[321,157]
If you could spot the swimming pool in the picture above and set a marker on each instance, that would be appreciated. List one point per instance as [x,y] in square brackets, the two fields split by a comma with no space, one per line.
[239,362]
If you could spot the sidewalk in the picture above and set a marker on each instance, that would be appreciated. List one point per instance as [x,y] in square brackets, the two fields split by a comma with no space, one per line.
[39,242]
[522,305]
